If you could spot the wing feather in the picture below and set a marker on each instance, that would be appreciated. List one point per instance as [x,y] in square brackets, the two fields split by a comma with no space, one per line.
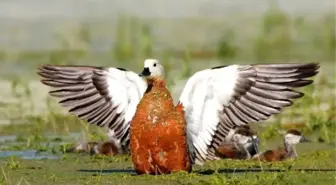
[106,97]
[244,93]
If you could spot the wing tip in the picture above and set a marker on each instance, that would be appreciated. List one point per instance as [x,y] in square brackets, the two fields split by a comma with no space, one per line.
[45,82]
[312,68]
[299,95]
[310,65]
[315,64]
[41,68]
[219,67]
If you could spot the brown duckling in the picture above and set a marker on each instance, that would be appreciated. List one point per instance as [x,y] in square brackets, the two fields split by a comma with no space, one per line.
[291,138]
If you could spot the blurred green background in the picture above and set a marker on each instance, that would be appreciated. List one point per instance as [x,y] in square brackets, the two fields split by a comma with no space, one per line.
[186,36]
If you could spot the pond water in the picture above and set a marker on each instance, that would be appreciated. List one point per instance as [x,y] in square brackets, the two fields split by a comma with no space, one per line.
[28,154]
[10,141]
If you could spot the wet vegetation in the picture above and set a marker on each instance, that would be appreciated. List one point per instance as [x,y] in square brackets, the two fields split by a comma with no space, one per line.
[34,131]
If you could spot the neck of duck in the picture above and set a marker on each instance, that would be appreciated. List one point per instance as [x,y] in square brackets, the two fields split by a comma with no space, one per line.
[243,150]
[290,150]
[156,82]
[252,149]
[247,153]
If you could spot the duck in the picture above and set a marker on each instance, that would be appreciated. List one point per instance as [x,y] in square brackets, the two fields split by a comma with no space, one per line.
[81,147]
[253,141]
[240,143]
[291,138]
[106,148]
[163,137]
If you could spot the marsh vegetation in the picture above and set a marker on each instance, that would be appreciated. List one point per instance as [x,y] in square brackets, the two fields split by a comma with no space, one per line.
[35,130]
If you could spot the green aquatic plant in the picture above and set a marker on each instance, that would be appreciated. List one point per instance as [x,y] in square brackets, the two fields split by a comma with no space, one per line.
[13,164]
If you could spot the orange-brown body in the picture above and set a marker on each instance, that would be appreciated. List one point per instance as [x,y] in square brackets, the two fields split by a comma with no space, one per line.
[229,151]
[274,155]
[158,139]
[108,148]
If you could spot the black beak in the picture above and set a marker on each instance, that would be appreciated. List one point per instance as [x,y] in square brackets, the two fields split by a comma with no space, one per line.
[304,140]
[145,72]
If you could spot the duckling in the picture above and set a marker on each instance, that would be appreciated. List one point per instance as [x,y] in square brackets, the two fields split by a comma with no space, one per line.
[108,148]
[291,138]
[240,143]
[246,140]
[82,147]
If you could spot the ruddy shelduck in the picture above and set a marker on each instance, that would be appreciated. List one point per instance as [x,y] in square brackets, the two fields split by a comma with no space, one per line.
[165,138]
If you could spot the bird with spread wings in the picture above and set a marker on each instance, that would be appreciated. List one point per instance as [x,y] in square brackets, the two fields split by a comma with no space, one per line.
[213,99]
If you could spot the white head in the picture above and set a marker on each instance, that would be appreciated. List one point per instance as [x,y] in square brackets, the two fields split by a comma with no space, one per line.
[294,137]
[152,68]
[255,139]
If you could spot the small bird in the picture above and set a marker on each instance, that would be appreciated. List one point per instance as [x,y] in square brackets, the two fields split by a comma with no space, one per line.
[108,148]
[163,137]
[291,138]
[241,143]
[81,147]
[105,148]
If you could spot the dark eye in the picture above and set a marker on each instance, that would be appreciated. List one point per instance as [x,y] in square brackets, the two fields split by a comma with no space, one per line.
[154,64]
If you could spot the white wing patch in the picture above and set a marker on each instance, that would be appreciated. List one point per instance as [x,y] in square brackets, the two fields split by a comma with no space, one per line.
[203,98]
[126,89]
[217,99]
[107,97]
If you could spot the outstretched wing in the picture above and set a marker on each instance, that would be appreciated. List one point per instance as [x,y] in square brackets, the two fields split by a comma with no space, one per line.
[216,99]
[107,97]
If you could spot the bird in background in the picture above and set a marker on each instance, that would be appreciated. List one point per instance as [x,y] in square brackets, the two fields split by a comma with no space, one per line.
[290,139]
[240,143]
[163,137]
[108,148]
